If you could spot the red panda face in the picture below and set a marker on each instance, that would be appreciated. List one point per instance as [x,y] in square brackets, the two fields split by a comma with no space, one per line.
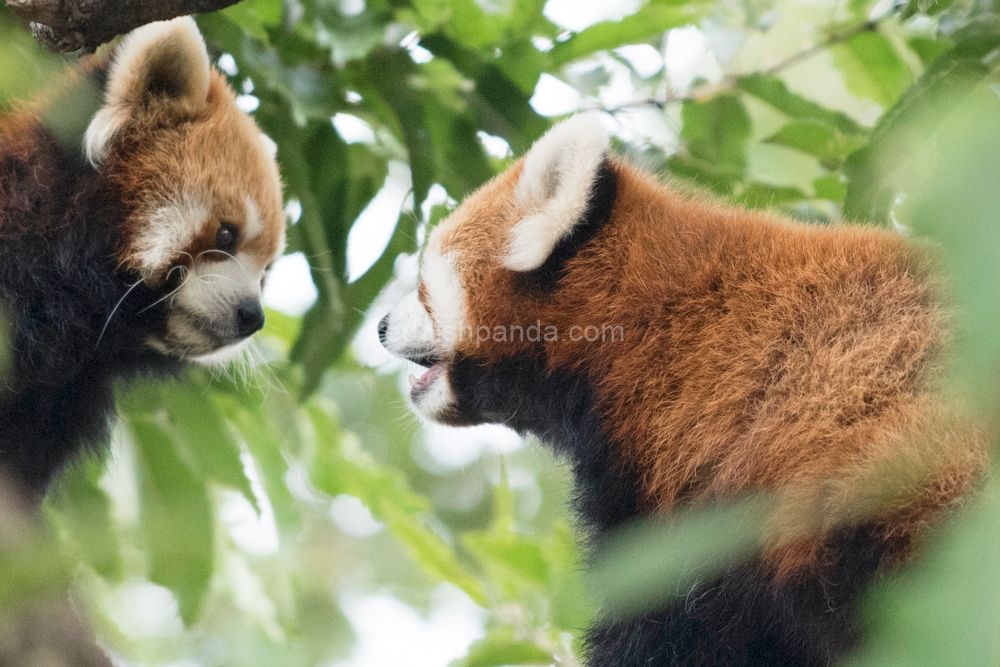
[488,274]
[202,193]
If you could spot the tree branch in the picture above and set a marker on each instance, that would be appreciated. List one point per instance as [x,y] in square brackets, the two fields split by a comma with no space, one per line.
[729,81]
[71,25]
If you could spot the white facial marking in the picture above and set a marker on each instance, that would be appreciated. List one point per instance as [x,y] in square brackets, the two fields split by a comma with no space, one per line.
[554,187]
[435,401]
[445,295]
[253,224]
[410,332]
[168,229]
[202,319]
[214,287]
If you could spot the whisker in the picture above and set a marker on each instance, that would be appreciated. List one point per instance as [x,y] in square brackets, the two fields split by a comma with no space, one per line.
[115,310]
[172,292]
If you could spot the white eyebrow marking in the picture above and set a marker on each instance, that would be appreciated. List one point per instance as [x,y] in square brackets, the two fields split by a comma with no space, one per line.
[253,224]
[169,228]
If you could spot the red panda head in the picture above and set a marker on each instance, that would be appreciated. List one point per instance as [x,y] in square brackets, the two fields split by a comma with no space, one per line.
[489,271]
[201,189]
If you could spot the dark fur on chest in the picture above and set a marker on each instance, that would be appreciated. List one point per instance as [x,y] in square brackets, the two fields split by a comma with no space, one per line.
[59,285]
[741,618]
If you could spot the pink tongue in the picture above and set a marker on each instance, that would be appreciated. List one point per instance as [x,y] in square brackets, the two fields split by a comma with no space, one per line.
[429,375]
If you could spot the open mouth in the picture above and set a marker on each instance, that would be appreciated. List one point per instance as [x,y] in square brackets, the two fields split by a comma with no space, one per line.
[418,385]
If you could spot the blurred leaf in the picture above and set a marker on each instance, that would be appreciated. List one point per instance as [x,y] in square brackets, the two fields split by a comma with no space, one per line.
[32,567]
[82,511]
[957,207]
[915,117]
[511,559]
[390,71]
[830,187]
[652,20]
[761,195]
[390,501]
[926,7]
[928,49]
[501,648]
[773,91]
[819,139]
[25,66]
[176,518]
[641,566]
[203,437]
[873,68]
[436,557]
[715,135]
[463,20]
[944,610]
[260,420]
[254,16]
[499,101]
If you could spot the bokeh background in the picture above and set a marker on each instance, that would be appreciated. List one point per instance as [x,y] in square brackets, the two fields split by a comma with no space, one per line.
[291,511]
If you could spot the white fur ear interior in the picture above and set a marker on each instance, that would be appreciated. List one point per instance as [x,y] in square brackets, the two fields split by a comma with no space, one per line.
[163,63]
[552,193]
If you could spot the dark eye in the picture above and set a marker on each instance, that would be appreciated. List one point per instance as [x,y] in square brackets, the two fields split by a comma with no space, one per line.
[225,238]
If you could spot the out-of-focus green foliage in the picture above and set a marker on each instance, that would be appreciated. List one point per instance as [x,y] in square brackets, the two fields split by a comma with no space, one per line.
[215,532]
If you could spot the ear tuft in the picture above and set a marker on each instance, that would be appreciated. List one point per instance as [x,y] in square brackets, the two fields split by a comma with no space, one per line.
[554,188]
[163,65]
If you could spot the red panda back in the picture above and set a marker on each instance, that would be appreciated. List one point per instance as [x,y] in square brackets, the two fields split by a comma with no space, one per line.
[685,351]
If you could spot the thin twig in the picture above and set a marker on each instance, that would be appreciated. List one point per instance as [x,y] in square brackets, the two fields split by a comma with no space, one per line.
[730,80]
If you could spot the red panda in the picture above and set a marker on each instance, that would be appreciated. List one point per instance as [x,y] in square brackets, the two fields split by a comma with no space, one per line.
[129,246]
[679,351]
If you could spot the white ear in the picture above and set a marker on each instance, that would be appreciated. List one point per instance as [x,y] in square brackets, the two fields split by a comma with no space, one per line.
[162,65]
[552,193]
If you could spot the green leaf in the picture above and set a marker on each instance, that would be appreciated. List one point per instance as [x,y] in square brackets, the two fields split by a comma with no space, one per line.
[830,187]
[942,611]
[928,49]
[390,71]
[715,135]
[925,7]
[915,117]
[773,91]
[500,100]
[761,195]
[32,566]
[501,648]
[266,423]
[873,68]
[646,564]
[254,16]
[82,511]
[176,518]
[388,499]
[656,17]
[819,139]
[203,437]
[955,201]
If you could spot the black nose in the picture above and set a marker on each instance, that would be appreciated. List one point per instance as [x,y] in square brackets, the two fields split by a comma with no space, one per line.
[383,329]
[249,318]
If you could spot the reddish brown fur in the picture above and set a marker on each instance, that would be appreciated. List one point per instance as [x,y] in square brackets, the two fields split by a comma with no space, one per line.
[760,354]
[216,153]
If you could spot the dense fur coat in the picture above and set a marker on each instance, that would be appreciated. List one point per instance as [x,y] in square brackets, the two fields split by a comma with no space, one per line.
[679,351]
[129,247]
